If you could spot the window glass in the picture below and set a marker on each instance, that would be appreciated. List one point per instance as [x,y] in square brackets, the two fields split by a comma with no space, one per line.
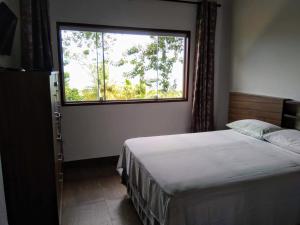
[122,65]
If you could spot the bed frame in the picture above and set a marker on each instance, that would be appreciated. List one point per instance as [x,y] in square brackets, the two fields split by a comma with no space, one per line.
[278,111]
[248,106]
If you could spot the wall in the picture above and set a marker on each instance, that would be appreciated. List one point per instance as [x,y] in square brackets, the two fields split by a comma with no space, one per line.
[266,47]
[14,59]
[222,63]
[98,131]
[3,216]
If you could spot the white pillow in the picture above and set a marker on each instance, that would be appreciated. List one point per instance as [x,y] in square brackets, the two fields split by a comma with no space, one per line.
[288,139]
[253,128]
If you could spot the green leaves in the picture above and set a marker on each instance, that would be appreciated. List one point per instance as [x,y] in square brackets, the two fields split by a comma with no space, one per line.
[134,50]
[157,56]
[160,55]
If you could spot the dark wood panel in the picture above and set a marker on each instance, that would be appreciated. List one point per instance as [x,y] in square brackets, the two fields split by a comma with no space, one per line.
[238,96]
[247,106]
[292,107]
[27,148]
[291,115]
[237,112]
[258,106]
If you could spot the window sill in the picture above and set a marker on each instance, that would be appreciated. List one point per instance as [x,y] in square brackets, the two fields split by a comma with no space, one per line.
[117,102]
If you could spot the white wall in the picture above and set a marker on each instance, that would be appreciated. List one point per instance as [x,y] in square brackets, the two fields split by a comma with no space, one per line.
[266,47]
[99,131]
[13,60]
[222,63]
[3,215]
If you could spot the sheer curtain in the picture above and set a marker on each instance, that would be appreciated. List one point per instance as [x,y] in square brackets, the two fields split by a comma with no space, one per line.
[35,35]
[203,83]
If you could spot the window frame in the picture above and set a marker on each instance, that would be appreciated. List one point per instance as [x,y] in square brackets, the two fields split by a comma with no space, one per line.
[187,34]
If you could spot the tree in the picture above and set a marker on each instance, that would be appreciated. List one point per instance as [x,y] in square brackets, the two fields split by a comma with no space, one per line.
[160,55]
[83,47]
[71,94]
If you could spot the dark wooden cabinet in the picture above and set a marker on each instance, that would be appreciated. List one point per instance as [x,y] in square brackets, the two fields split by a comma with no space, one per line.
[31,147]
[291,114]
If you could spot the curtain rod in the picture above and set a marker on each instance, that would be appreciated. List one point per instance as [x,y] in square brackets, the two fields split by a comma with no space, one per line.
[186,2]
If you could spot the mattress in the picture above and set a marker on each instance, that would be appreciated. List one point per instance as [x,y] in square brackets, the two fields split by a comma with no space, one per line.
[211,178]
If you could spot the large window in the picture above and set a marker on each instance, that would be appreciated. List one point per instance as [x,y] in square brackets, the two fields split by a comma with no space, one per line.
[103,64]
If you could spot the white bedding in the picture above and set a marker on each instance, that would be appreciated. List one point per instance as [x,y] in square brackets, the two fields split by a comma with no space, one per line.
[212,178]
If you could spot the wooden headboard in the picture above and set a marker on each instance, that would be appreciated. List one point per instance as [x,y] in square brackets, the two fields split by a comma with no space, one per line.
[248,106]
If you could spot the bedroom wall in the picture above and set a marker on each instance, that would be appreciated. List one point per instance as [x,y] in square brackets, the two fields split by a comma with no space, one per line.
[99,131]
[13,60]
[266,47]
[3,215]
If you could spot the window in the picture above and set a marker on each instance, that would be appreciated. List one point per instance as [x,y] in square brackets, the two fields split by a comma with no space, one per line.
[101,64]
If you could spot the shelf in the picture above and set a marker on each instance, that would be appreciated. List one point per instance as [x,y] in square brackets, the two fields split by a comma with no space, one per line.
[290,116]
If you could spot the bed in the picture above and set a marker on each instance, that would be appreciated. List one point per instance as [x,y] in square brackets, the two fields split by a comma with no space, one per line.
[212,178]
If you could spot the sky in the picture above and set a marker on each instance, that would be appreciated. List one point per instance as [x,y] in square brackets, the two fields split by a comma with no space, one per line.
[79,75]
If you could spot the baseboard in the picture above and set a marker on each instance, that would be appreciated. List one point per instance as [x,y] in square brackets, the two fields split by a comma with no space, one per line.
[111,160]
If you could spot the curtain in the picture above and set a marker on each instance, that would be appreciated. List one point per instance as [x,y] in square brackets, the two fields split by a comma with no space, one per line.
[203,82]
[35,35]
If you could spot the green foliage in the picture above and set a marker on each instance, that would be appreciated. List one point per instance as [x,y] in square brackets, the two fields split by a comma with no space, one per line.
[89,42]
[71,94]
[159,55]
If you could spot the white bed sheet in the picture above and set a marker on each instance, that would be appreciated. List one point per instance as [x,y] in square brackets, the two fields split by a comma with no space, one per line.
[212,178]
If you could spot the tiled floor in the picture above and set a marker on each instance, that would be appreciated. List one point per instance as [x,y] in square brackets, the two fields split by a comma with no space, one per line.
[93,195]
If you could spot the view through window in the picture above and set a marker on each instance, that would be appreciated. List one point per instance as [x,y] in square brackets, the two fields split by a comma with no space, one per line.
[122,65]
